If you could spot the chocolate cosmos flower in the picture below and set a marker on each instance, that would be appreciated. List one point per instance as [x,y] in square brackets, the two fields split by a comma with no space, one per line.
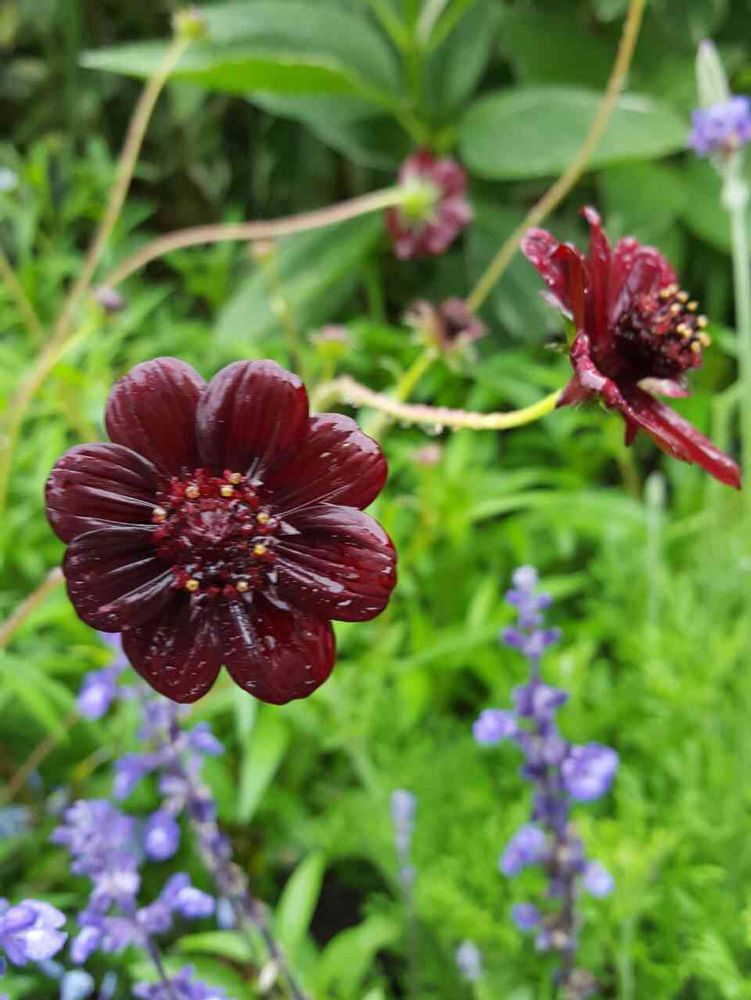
[223,525]
[636,333]
[424,226]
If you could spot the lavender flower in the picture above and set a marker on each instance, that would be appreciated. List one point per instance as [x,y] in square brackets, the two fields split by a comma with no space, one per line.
[180,987]
[560,775]
[99,688]
[30,931]
[722,128]
[469,961]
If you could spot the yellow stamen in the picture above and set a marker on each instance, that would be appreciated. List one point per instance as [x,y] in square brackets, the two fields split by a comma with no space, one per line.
[260,550]
[227,490]
[235,478]
[701,322]
[675,309]
[192,492]
[692,306]
[695,346]
[159,514]
[263,517]
[242,586]
[192,586]
[682,297]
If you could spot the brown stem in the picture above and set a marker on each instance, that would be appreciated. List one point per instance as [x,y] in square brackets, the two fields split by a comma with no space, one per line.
[40,752]
[263,230]
[555,194]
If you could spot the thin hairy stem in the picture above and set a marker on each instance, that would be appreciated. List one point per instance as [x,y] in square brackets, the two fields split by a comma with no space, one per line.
[14,621]
[347,390]
[252,231]
[555,194]
[16,291]
[403,389]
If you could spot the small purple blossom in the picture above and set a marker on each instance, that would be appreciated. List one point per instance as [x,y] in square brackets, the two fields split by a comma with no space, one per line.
[98,691]
[161,835]
[526,847]
[30,931]
[493,725]
[597,880]
[76,985]
[588,771]
[526,916]
[721,128]
[180,987]
[469,961]
[403,806]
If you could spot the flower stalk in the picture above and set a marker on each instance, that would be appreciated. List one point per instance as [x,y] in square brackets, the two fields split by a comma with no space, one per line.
[347,390]
[558,191]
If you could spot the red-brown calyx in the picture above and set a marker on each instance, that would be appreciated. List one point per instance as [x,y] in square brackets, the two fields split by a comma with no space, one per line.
[216,533]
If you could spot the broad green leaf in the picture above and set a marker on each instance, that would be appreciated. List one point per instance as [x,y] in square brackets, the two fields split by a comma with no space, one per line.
[316,271]
[348,957]
[536,132]
[277,48]
[454,69]
[555,47]
[298,901]
[260,762]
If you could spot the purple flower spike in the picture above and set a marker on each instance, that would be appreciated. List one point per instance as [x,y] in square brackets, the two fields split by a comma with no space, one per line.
[597,880]
[180,987]
[469,961]
[526,916]
[588,771]
[493,725]
[403,805]
[98,691]
[721,129]
[30,931]
[526,847]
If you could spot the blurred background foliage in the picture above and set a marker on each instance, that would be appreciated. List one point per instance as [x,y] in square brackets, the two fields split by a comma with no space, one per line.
[294,104]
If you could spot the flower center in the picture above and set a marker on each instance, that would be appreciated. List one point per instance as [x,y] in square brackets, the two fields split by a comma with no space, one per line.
[216,534]
[661,335]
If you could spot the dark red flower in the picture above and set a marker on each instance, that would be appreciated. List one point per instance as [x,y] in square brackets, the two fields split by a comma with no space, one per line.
[636,333]
[223,525]
[429,222]
[449,326]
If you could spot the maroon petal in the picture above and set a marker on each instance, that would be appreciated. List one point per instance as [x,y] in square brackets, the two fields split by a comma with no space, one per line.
[588,375]
[636,270]
[342,565]
[252,413]
[94,485]
[598,278]
[336,463]
[115,580]
[540,247]
[152,410]
[677,436]
[275,655]
[178,651]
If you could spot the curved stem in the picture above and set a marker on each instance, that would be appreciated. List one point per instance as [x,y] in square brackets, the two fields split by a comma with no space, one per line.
[403,389]
[17,293]
[262,230]
[555,194]
[347,390]
[126,166]
[14,621]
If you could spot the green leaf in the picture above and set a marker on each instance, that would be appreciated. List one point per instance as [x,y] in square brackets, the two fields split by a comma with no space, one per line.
[261,761]
[536,132]
[348,957]
[316,272]
[453,70]
[282,48]
[298,901]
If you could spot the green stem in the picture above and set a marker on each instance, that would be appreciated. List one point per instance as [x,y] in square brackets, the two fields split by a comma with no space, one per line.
[403,389]
[735,197]
[347,390]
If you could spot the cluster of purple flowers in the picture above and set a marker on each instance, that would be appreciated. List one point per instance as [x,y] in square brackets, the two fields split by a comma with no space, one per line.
[561,774]
[721,129]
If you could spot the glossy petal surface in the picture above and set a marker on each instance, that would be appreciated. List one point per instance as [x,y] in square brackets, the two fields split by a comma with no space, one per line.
[115,579]
[275,655]
[337,463]
[94,485]
[177,652]
[252,414]
[152,410]
[341,565]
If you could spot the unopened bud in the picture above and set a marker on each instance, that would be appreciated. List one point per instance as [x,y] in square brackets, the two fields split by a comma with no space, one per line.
[189,24]
[109,299]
